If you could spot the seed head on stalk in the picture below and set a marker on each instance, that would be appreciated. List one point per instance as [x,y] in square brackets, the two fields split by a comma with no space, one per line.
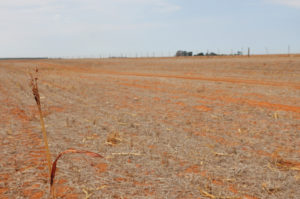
[34,87]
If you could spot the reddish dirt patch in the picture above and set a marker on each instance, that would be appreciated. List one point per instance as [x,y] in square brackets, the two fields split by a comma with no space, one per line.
[101,167]
[202,108]
[193,169]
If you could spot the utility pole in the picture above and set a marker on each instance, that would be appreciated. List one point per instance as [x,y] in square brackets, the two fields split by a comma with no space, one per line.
[248,52]
[289,50]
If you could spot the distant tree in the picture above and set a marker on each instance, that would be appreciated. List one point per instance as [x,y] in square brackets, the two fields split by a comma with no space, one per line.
[199,54]
[211,54]
[181,53]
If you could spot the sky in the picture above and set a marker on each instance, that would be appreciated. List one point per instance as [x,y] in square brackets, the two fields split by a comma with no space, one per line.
[101,28]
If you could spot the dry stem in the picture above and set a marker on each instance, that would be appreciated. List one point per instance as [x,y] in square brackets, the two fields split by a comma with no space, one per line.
[35,92]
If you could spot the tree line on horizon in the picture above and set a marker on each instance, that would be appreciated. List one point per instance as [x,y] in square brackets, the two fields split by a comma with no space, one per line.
[183,53]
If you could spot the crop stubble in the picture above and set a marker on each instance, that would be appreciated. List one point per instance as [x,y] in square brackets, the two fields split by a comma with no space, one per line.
[168,127]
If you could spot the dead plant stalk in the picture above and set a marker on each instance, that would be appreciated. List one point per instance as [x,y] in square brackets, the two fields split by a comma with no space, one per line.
[52,168]
[35,92]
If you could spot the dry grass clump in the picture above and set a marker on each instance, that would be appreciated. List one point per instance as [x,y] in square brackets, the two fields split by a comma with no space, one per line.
[113,139]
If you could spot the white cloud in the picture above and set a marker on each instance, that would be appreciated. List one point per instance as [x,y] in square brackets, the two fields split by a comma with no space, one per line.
[164,7]
[161,6]
[34,24]
[158,5]
[82,11]
[65,13]
[291,3]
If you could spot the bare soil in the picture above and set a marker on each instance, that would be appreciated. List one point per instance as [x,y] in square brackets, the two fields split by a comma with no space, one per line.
[223,127]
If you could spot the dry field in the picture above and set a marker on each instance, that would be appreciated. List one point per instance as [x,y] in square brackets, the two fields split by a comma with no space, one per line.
[224,127]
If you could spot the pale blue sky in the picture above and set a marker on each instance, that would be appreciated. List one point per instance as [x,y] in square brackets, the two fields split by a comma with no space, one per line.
[70,28]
